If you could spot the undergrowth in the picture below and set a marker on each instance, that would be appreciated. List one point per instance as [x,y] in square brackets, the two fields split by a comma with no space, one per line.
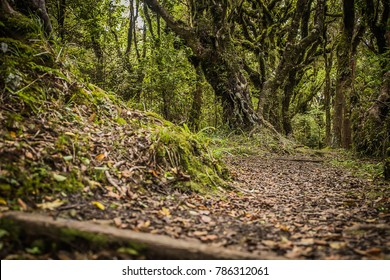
[60,134]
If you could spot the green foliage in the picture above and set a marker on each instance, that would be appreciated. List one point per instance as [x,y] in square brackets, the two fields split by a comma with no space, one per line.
[361,168]
[261,142]
[371,138]
[309,128]
[50,99]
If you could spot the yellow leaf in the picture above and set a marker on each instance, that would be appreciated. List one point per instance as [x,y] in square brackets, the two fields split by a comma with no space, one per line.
[2,201]
[92,117]
[12,134]
[70,133]
[98,205]
[165,212]
[100,157]
[51,205]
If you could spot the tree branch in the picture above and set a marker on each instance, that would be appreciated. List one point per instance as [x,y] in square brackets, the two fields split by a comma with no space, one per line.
[180,28]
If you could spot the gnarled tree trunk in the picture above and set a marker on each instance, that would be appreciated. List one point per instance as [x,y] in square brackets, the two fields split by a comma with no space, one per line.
[210,42]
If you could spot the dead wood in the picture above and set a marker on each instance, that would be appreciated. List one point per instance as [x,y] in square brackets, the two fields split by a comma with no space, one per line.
[153,246]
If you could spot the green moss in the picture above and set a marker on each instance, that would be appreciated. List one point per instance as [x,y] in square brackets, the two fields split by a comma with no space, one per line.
[121,121]
[187,153]
[69,235]
[17,26]
[29,178]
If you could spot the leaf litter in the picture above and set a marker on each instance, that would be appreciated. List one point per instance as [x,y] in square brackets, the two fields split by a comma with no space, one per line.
[296,209]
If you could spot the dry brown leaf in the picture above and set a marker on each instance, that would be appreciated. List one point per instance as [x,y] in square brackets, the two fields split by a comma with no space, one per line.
[165,212]
[126,173]
[374,251]
[117,221]
[143,224]
[189,204]
[199,233]
[336,245]
[51,205]
[92,117]
[205,219]
[307,241]
[269,243]
[210,237]
[29,155]
[100,157]
[22,204]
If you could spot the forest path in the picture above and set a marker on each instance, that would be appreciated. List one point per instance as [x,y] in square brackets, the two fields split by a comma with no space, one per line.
[278,207]
[307,209]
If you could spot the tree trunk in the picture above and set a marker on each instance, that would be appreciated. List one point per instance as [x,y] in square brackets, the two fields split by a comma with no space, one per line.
[286,99]
[230,85]
[28,7]
[342,125]
[197,101]
[61,18]
[327,97]
[99,75]
[210,42]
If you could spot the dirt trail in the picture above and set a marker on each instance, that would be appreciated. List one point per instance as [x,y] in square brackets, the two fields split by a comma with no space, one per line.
[292,209]
[311,210]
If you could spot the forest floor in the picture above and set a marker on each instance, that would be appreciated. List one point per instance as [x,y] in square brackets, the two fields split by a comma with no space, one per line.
[295,208]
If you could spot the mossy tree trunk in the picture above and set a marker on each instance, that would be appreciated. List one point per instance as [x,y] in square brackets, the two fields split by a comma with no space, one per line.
[197,101]
[328,59]
[341,120]
[27,7]
[209,38]
[296,52]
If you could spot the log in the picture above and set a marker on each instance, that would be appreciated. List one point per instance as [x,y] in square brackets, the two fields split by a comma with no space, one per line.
[152,246]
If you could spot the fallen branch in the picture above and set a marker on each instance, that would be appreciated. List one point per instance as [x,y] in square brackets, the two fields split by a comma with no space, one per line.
[112,182]
[152,246]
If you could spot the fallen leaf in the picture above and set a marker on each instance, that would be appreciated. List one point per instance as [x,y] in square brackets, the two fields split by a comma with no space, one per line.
[269,243]
[127,173]
[68,158]
[117,221]
[165,212]
[306,241]
[2,201]
[205,219]
[70,133]
[336,245]
[92,117]
[100,157]
[51,205]
[210,237]
[374,251]
[282,227]
[12,134]
[189,204]
[199,233]
[29,155]
[22,204]
[98,205]
[59,178]
[143,225]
